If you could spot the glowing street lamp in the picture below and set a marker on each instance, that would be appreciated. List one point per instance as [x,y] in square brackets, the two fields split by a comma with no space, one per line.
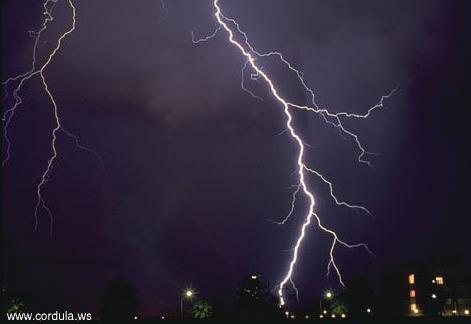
[328,294]
[187,294]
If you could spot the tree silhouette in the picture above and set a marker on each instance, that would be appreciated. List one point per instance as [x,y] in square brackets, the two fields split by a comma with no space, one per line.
[16,306]
[120,301]
[202,309]
[254,300]
[393,292]
[358,295]
[338,308]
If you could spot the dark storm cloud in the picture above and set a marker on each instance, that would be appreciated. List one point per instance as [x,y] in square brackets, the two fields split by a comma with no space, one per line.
[195,167]
[139,57]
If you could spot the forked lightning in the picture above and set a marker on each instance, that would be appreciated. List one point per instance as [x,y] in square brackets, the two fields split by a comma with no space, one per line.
[237,37]
[252,57]
[19,80]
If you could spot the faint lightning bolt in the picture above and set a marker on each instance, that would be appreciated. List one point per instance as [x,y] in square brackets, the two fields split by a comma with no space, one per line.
[293,205]
[204,39]
[45,176]
[9,113]
[163,5]
[334,197]
[332,119]
[296,291]
[242,82]
[48,18]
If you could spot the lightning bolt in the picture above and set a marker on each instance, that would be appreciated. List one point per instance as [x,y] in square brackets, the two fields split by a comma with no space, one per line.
[296,291]
[8,115]
[293,205]
[252,56]
[164,8]
[242,82]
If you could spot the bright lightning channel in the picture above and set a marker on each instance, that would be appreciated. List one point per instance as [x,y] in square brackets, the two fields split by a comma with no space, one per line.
[8,115]
[231,27]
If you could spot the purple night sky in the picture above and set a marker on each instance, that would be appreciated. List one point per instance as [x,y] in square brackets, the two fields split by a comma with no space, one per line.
[194,168]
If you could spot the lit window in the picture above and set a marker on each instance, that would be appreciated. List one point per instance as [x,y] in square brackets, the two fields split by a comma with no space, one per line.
[439,280]
[411,279]
[413,307]
[412,293]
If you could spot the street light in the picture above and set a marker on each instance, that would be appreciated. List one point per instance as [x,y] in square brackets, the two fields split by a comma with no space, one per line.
[328,294]
[187,294]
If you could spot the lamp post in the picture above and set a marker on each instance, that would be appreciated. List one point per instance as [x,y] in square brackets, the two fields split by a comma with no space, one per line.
[187,294]
[328,294]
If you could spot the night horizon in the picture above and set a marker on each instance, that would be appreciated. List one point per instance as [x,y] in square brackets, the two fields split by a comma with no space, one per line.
[173,174]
